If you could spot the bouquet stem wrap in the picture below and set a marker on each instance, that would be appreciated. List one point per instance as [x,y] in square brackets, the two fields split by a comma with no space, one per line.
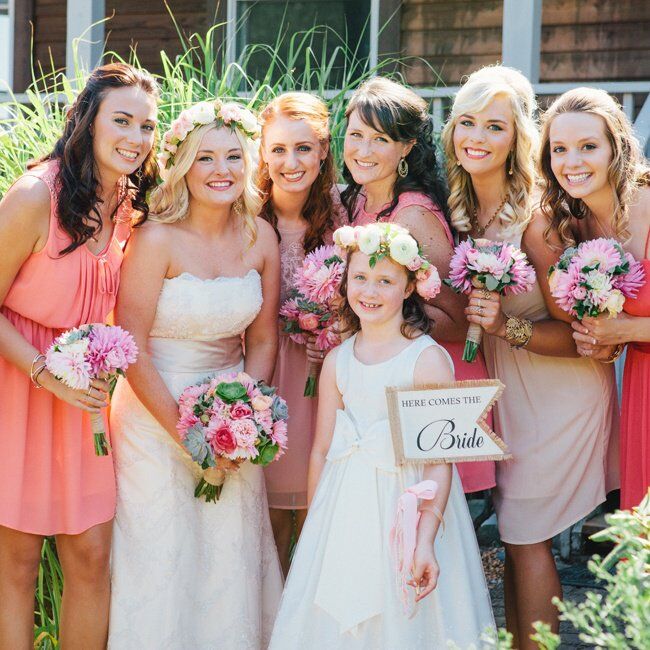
[99,434]
[472,342]
[311,385]
[211,484]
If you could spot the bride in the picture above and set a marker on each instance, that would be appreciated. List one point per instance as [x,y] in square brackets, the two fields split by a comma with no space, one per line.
[187,574]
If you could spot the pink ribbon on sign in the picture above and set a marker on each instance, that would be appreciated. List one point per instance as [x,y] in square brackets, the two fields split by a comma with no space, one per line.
[403,536]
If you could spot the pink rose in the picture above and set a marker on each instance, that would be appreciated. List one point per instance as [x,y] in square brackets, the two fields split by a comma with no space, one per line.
[224,440]
[414,264]
[308,322]
[429,287]
[240,411]
[262,402]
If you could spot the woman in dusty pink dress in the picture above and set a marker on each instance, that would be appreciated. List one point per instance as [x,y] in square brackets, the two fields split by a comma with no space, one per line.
[598,185]
[560,446]
[297,179]
[63,226]
[393,175]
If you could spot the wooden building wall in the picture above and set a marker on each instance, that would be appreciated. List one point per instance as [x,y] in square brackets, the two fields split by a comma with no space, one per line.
[49,20]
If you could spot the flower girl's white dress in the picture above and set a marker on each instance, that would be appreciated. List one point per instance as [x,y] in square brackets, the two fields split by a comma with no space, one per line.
[341,592]
[186,574]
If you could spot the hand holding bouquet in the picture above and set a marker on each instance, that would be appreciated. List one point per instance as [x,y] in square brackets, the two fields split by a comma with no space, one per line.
[493,266]
[595,277]
[310,311]
[231,416]
[90,352]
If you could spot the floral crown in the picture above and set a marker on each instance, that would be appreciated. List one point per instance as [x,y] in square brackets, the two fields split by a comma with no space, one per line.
[380,240]
[223,113]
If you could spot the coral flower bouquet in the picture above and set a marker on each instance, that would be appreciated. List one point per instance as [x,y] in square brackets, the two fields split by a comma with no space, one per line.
[230,416]
[90,352]
[490,265]
[595,278]
[310,310]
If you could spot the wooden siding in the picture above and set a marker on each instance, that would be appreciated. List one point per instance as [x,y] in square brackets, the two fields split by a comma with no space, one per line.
[49,33]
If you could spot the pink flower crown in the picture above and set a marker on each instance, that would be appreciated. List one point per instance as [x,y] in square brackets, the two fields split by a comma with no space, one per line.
[222,113]
[379,240]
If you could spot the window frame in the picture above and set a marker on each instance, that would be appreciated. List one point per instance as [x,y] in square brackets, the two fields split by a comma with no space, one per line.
[6,85]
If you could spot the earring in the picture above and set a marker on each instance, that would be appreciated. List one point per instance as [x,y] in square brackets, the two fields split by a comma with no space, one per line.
[458,163]
[402,168]
[511,171]
[139,174]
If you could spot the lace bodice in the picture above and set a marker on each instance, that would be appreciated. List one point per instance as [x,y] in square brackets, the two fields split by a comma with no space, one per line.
[207,310]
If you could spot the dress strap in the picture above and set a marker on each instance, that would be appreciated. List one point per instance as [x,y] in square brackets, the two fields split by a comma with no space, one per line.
[645,248]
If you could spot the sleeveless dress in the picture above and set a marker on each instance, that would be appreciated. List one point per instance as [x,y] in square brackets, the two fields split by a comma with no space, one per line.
[477,475]
[341,590]
[559,418]
[186,574]
[51,482]
[635,411]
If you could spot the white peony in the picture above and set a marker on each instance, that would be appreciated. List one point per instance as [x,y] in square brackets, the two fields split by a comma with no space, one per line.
[203,113]
[403,248]
[369,238]
[344,236]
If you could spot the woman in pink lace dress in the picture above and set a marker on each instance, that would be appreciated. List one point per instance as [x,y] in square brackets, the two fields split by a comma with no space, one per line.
[297,179]
[393,175]
[63,226]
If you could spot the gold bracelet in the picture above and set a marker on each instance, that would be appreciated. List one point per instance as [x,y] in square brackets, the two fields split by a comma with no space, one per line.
[518,331]
[37,373]
[618,351]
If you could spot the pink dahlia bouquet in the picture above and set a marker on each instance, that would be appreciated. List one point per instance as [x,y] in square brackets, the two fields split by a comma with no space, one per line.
[595,277]
[494,266]
[89,352]
[311,308]
[230,416]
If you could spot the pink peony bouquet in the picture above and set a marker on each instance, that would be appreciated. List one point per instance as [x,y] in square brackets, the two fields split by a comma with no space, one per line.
[311,309]
[90,352]
[231,416]
[595,277]
[494,266]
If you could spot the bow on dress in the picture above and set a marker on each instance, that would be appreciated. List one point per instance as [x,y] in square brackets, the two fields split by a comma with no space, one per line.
[350,583]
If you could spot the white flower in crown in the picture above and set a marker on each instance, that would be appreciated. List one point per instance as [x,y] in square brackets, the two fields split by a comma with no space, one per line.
[369,239]
[203,112]
[230,112]
[403,248]
[249,122]
[344,236]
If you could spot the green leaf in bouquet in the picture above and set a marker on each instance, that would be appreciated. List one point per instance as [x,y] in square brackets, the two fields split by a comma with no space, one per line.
[231,391]
[265,389]
[333,260]
[267,454]
[491,283]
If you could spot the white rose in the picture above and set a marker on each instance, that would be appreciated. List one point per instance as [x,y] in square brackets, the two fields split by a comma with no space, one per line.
[344,236]
[369,238]
[614,303]
[203,113]
[249,121]
[403,248]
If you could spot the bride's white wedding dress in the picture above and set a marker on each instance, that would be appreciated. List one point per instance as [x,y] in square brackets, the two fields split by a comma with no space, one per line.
[186,574]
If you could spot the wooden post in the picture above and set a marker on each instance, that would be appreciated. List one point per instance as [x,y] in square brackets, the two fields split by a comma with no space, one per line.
[23,18]
[522,30]
[82,23]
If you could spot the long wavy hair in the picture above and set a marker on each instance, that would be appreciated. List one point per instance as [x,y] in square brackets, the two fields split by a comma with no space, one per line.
[170,201]
[416,320]
[77,184]
[318,210]
[478,91]
[628,170]
[393,109]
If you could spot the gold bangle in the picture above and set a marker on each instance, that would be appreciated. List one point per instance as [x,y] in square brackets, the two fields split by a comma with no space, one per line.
[618,351]
[35,360]
[37,373]
[518,331]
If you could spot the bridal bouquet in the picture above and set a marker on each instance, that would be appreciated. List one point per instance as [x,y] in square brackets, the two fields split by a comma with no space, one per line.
[595,277]
[311,308]
[91,352]
[494,266]
[231,416]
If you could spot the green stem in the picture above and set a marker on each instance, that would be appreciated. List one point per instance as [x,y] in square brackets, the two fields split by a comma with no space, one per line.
[101,445]
[469,353]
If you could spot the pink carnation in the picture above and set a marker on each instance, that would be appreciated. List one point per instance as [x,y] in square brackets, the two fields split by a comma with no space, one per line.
[245,432]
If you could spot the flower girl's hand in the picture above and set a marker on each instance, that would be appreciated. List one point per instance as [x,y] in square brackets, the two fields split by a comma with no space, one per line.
[91,400]
[425,571]
[484,308]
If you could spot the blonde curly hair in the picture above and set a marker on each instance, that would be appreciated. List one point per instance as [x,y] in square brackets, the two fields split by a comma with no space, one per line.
[169,202]
[477,92]
[628,170]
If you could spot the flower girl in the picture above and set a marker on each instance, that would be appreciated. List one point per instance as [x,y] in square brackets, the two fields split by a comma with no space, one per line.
[342,590]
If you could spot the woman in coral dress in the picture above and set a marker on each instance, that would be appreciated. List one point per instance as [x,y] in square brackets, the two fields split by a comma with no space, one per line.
[63,226]
[393,180]
[301,202]
[588,148]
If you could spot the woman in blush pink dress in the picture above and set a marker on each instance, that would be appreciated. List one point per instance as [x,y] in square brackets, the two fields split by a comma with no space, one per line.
[393,175]
[598,186]
[297,179]
[559,470]
[63,226]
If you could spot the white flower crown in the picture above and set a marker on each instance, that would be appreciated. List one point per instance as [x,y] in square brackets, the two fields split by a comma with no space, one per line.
[223,113]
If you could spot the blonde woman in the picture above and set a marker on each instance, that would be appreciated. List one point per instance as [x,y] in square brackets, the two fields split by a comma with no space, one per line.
[598,185]
[199,279]
[558,410]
